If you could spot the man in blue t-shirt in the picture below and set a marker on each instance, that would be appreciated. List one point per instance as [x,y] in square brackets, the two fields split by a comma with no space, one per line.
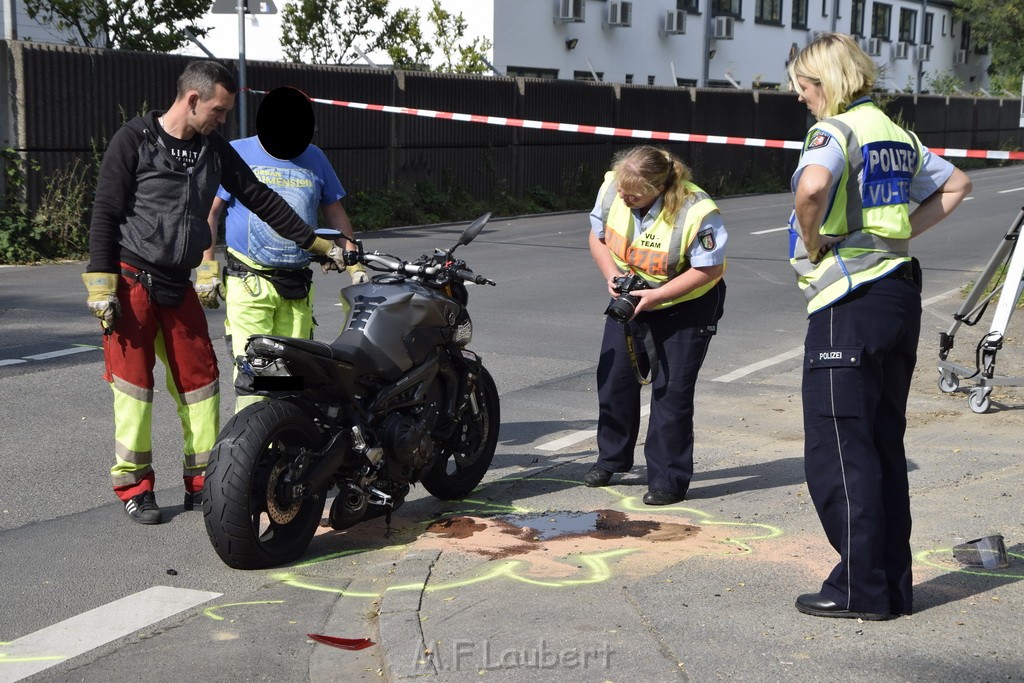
[268,288]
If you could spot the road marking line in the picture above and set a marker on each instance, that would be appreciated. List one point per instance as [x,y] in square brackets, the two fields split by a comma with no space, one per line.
[783,357]
[62,352]
[574,438]
[1015,189]
[754,367]
[12,361]
[765,232]
[47,647]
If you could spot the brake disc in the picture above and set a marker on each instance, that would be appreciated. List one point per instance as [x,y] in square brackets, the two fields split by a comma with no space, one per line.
[277,513]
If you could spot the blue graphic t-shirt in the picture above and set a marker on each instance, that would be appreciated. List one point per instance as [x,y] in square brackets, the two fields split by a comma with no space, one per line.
[306,182]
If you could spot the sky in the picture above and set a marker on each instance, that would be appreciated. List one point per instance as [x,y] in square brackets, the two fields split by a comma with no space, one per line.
[223,41]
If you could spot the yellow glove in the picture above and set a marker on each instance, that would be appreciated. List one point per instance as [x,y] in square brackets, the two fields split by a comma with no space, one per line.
[102,300]
[208,284]
[332,251]
[358,274]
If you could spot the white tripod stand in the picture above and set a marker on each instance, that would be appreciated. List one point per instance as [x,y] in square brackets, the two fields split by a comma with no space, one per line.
[972,310]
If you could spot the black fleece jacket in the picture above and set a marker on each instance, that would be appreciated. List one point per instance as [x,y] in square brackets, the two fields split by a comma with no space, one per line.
[151,212]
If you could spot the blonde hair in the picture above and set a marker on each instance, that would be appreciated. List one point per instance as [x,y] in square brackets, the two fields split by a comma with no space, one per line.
[836,63]
[646,169]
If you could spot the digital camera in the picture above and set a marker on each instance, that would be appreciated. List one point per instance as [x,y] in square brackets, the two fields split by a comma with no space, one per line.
[621,309]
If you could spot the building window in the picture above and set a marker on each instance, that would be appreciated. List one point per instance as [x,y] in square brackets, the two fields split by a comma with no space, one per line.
[720,84]
[908,26]
[857,18]
[824,8]
[587,75]
[728,8]
[690,6]
[650,80]
[629,78]
[965,36]
[686,82]
[768,11]
[929,21]
[881,19]
[800,13]
[531,72]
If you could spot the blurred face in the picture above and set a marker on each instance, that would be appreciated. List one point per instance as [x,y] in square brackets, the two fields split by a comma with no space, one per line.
[208,114]
[811,94]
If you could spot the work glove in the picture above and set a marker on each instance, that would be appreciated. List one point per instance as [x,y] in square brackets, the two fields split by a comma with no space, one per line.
[358,274]
[209,286]
[102,300]
[334,253]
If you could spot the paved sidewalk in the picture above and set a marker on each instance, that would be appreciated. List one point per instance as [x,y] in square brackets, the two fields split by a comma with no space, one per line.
[536,577]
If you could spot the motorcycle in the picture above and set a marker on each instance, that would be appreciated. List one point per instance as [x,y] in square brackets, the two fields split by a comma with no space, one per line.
[396,399]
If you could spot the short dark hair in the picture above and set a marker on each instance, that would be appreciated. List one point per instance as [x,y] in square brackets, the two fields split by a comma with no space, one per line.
[203,76]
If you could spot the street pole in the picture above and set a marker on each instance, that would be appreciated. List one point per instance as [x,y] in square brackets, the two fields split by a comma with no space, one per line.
[242,118]
[921,47]
[706,60]
[11,20]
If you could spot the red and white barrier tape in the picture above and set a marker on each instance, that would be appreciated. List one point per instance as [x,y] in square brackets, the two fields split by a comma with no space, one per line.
[631,132]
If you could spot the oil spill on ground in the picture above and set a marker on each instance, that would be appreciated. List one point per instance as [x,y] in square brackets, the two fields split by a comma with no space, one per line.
[531,532]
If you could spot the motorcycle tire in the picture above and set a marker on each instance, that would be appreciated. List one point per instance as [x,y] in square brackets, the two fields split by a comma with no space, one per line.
[247,527]
[461,462]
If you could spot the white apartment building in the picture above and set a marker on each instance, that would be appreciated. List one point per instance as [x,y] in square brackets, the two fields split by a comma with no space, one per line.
[727,43]
[707,43]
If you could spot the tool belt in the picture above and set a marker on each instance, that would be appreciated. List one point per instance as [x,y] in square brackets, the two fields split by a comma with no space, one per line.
[290,283]
[161,291]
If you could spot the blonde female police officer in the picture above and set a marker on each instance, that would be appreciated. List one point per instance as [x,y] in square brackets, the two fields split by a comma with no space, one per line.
[649,219]
[857,176]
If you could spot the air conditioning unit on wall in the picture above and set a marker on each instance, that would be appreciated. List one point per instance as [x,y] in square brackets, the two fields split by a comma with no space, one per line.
[675,22]
[960,57]
[571,10]
[902,50]
[873,46]
[924,53]
[724,27]
[620,13]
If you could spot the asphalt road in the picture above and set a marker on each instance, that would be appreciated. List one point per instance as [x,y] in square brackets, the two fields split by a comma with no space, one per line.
[66,547]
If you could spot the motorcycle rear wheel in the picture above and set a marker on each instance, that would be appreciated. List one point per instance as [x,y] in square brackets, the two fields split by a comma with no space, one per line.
[249,526]
[461,462]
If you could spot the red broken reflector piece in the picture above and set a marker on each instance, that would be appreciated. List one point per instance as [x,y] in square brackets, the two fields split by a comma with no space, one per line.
[343,643]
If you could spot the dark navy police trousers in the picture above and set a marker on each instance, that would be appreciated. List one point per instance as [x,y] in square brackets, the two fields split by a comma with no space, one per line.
[858,363]
[681,334]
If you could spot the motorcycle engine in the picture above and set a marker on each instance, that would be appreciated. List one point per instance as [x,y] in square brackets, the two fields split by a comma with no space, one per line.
[408,445]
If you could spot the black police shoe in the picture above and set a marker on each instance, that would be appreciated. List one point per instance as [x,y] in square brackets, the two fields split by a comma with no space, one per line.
[817,605]
[597,477]
[143,508]
[655,497]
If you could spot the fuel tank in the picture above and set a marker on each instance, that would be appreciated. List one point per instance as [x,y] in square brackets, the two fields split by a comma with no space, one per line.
[393,323]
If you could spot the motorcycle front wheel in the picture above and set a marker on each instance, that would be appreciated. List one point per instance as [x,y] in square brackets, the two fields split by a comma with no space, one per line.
[461,461]
[249,523]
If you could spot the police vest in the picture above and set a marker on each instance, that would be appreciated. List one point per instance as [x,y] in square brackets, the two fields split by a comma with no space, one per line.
[660,252]
[871,206]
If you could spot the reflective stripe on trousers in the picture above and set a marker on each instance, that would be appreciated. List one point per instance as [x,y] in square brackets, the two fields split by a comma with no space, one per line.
[180,338]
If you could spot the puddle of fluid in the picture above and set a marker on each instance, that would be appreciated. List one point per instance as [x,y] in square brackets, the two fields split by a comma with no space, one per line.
[554,524]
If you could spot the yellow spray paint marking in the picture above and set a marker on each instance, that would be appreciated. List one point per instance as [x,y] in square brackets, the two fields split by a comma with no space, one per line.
[925,558]
[5,659]
[211,612]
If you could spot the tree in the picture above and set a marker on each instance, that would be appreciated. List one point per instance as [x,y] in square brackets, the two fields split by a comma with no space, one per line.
[999,24]
[123,24]
[405,43]
[450,30]
[326,31]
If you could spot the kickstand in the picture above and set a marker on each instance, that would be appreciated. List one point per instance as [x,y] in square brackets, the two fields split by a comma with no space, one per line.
[387,522]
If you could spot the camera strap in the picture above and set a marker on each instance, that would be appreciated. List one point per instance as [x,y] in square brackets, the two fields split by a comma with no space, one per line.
[642,333]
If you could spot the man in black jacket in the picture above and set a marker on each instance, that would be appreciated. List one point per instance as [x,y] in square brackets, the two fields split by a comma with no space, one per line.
[149,229]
